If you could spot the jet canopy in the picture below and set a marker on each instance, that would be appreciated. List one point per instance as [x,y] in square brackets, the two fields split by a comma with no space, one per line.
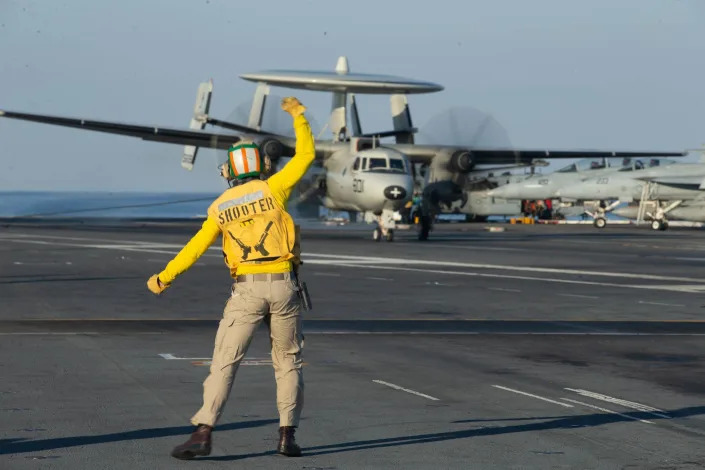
[641,163]
[617,163]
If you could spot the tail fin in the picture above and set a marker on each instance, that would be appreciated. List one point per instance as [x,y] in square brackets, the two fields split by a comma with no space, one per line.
[338,115]
[354,117]
[198,121]
[401,117]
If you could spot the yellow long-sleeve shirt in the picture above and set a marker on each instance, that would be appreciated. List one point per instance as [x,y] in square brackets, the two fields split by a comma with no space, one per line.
[281,184]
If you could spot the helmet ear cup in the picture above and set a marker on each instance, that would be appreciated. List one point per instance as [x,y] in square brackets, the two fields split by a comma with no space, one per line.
[225,171]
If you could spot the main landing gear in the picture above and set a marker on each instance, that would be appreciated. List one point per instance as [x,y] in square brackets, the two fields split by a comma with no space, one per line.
[659,224]
[599,214]
[600,222]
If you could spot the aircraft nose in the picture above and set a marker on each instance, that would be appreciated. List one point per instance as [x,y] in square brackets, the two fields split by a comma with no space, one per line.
[395,192]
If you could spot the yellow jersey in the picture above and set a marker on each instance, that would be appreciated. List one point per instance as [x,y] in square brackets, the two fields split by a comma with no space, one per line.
[258,233]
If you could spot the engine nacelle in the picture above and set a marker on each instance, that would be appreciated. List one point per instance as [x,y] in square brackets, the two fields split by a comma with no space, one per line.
[272,148]
[461,162]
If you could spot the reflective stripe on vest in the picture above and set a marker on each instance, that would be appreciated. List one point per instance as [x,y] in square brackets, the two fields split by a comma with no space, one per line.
[256,229]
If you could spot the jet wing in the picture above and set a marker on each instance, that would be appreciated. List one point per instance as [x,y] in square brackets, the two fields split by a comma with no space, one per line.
[153,133]
[422,153]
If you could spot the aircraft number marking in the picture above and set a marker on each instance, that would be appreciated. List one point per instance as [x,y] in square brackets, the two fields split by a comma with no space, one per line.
[358,185]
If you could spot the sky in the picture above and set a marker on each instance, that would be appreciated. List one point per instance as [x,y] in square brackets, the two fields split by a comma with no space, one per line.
[551,74]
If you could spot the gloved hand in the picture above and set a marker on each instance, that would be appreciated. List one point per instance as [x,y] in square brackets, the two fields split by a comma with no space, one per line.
[293,106]
[156,286]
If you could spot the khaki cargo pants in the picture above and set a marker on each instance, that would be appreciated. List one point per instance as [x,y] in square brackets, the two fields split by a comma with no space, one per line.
[276,302]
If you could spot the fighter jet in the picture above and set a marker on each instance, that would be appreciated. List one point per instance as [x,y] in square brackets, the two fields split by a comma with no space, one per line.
[660,188]
[547,186]
[347,182]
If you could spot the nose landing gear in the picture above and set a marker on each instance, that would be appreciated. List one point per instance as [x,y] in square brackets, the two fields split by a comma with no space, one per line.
[385,226]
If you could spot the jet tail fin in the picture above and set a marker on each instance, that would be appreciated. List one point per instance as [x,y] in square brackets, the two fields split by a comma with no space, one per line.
[198,121]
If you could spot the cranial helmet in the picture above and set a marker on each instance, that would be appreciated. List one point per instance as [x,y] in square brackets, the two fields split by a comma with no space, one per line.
[244,161]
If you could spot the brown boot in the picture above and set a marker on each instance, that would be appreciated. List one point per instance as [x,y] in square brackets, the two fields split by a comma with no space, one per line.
[198,444]
[287,444]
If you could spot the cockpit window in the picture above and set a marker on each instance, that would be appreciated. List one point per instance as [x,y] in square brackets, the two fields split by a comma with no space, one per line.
[381,163]
[620,163]
[356,165]
[396,164]
[587,164]
[377,163]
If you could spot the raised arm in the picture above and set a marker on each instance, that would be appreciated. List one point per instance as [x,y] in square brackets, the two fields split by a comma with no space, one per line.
[283,182]
[188,255]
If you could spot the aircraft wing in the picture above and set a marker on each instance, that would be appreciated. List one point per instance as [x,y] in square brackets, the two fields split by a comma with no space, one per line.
[423,153]
[153,133]
[417,153]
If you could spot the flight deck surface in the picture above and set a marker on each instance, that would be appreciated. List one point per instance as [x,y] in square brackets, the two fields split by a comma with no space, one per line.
[537,347]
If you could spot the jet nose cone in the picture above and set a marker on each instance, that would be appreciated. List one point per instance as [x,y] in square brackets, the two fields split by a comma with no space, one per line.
[395,193]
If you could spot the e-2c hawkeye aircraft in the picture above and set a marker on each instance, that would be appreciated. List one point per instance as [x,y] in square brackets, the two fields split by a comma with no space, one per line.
[361,173]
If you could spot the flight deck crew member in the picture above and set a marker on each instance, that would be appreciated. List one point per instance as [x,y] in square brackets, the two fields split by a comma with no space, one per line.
[259,248]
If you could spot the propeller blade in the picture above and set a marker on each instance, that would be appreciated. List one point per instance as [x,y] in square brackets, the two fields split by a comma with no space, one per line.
[466,127]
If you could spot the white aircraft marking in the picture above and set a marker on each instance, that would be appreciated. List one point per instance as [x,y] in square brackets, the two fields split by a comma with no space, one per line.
[619,401]
[378,260]
[507,276]
[607,411]
[407,390]
[399,264]
[538,397]
[253,361]
[661,304]
[579,296]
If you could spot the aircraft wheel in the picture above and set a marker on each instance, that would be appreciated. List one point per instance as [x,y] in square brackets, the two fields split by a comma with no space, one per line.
[390,235]
[377,235]
[600,222]
[659,225]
